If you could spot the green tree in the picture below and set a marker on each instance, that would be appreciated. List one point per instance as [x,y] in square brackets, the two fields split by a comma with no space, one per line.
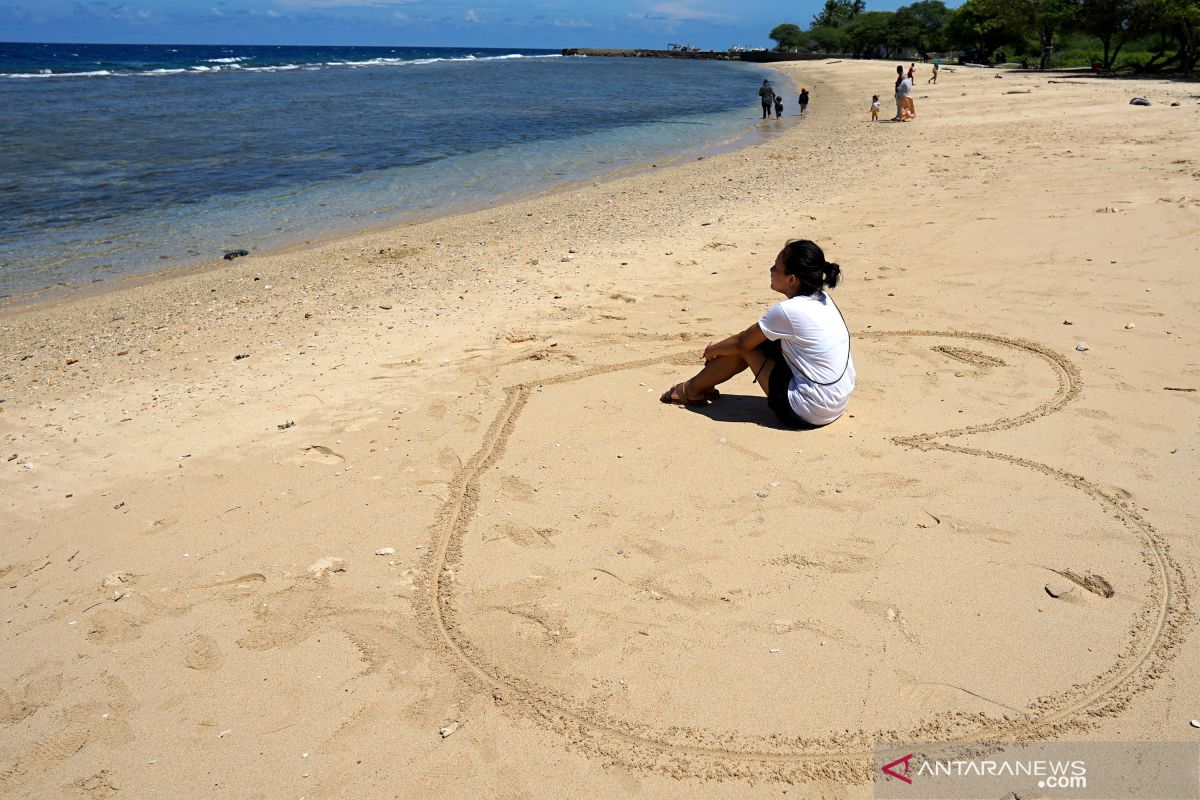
[980,24]
[919,26]
[1178,20]
[786,36]
[1046,18]
[1113,22]
[837,13]
[826,38]
[868,33]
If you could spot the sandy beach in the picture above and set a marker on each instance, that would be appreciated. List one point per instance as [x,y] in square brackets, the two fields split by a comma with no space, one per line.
[400,515]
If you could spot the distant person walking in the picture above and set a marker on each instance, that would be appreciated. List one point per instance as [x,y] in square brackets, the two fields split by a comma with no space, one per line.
[912,70]
[767,95]
[803,101]
[933,78]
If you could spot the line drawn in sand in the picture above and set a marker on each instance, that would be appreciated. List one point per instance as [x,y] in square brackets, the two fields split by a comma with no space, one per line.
[1157,632]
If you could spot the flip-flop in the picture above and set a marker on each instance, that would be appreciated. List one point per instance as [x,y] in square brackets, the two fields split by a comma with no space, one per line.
[677,395]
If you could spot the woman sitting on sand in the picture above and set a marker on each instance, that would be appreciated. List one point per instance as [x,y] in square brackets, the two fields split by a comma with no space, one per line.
[799,351]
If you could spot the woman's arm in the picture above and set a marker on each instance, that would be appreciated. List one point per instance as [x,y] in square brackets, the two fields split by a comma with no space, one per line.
[737,344]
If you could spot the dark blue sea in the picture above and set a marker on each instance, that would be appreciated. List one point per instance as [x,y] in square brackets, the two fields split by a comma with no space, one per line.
[123,159]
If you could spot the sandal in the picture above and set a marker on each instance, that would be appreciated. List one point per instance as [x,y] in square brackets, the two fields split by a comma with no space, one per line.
[678,395]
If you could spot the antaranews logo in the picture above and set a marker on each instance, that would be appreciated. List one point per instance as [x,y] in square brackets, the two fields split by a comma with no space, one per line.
[889,769]
[1067,770]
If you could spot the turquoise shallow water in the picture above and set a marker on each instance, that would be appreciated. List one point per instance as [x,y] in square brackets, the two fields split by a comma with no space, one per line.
[118,163]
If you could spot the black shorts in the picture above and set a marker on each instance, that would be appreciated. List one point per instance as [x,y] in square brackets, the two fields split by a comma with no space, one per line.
[778,385]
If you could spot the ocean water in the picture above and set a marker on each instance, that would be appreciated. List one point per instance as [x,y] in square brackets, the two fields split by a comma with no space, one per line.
[117,160]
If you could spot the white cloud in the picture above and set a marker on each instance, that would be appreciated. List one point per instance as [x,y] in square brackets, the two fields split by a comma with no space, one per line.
[686,11]
[471,16]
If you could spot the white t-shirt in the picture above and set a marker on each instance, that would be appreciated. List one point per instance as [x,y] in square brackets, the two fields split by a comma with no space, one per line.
[905,87]
[816,345]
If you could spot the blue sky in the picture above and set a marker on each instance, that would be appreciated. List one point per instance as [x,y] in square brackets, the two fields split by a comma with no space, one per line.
[713,24]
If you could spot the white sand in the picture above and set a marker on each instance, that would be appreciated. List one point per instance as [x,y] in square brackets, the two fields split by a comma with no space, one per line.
[587,585]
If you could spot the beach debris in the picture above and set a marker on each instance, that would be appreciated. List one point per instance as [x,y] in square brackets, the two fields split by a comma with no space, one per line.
[283,426]
[386,306]
[14,457]
[1081,346]
[386,551]
[773,650]
[117,507]
[783,625]
[1139,101]
[116,579]
[447,730]
[1129,326]
[1175,103]
[891,615]
[71,361]
[1067,322]
[240,356]
[1195,723]
[761,493]
[230,255]
[1165,388]
[327,564]
[224,733]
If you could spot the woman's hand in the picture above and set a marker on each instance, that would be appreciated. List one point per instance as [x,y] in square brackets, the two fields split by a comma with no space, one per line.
[712,351]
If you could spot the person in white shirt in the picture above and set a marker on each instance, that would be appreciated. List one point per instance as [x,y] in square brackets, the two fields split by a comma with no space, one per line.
[799,351]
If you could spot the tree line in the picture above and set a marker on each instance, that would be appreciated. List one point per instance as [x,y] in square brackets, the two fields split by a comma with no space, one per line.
[1153,35]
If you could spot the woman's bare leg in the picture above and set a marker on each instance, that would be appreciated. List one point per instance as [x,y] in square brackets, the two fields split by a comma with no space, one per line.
[722,368]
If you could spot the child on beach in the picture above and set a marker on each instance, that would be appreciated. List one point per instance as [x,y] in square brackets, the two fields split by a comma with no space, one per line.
[799,352]
[803,101]
[874,108]
[778,106]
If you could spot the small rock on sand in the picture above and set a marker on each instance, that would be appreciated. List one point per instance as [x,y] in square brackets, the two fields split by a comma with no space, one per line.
[449,729]
[386,551]
[327,564]
[1081,346]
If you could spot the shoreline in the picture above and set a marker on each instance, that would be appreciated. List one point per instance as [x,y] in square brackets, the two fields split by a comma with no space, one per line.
[402,509]
[59,293]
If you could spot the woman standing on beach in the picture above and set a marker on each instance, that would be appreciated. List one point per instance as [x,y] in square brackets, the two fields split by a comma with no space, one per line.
[799,351]
[899,80]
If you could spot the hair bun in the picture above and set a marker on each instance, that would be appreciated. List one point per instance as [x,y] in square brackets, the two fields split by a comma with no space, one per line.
[833,273]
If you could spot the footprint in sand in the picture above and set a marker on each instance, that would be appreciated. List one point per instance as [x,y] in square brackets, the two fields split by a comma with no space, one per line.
[41,687]
[201,652]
